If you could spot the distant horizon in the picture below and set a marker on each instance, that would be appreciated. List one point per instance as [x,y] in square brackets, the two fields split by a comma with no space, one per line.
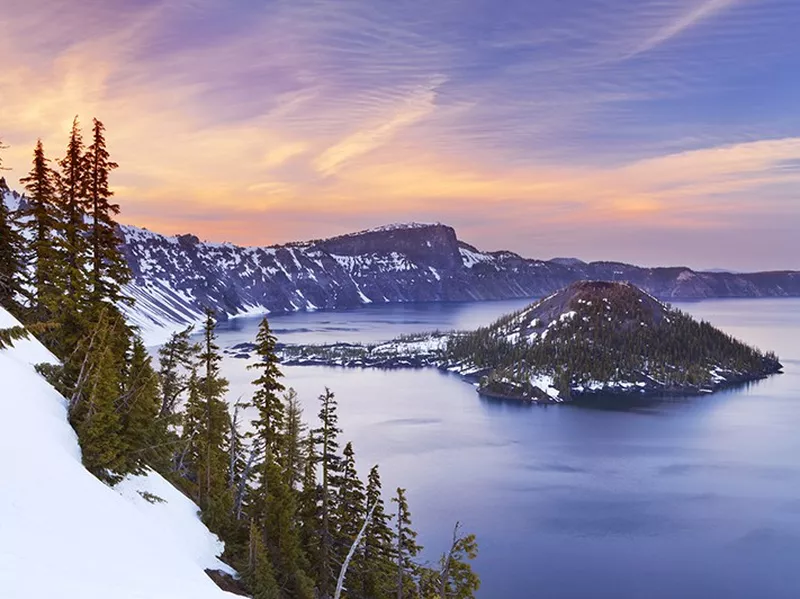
[650,133]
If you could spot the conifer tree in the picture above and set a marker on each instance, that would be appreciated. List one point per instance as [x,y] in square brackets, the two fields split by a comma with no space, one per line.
[72,197]
[94,389]
[282,533]
[267,427]
[293,452]
[12,252]
[330,461]
[260,574]
[406,547]
[206,427]
[143,432]
[456,578]
[109,269]
[176,358]
[350,503]
[42,220]
[310,501]
[377,574]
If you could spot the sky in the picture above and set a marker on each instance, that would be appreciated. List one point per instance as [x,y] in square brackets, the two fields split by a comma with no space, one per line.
[658,132]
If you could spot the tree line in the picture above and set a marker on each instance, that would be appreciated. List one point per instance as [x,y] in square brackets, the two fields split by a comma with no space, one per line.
[287,500]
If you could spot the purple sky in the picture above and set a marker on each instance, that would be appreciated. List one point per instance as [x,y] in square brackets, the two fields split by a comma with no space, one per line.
[651,132]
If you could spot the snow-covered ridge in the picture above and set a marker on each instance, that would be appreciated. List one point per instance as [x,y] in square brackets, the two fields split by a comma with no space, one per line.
[66,534]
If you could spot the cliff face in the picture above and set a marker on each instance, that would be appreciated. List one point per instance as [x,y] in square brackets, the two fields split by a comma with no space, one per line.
[175,277]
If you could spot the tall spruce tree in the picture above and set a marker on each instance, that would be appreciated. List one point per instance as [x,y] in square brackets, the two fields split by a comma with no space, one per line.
[281,531]
[260,575]
[176,358]
[406,547]
[351,510]
[206,427]
[42,220]
[310,501]
[12,253]
[331,466]
[72,181]
[92,380]
[143,432]
[293,439]
[377,571]
[109,269]
[266,399]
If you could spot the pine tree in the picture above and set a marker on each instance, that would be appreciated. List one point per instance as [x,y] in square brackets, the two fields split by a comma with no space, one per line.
[282,532]
[456,578]
[326,437]
[377,574]
[93,390]
[292,452]
[260,575]
[310,502]
[72,197]
[12,252]
[109,269]
[350,502]
[268,426]
[142,430]
[42,219]
[205,432]
[406,547]
[176,358]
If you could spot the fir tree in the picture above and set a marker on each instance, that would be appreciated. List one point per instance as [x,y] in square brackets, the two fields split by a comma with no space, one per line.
[456,578]
[94,389]
[350,502]
[109,269]
[205,431]
[292,452]
[72,197]
[42,220]
[330,461]
[282,532]
[176,358]
[310,501]
[267,427]
[143,432]
[260,574]
[377,574]
[12,252]
[406,548]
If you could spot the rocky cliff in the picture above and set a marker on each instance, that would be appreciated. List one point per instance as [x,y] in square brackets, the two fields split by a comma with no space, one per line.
[175,277]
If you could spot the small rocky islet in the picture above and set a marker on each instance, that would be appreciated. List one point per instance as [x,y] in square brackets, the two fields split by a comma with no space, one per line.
[588,339]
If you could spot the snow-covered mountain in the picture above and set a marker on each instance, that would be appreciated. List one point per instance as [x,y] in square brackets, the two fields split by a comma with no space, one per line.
[63,533]
[175,277]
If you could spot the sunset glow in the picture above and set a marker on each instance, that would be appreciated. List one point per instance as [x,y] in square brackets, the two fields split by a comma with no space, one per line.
[648,132]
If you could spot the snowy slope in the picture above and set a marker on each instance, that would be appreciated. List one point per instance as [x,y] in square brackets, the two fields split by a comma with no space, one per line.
[65,534]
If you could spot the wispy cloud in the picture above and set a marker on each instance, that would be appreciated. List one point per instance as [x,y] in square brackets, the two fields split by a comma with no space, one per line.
[568,118]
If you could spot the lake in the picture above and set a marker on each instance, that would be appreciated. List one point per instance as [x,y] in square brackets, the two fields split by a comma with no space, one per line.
[697,497]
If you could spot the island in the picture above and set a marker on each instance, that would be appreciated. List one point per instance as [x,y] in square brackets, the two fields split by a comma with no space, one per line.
[588,339]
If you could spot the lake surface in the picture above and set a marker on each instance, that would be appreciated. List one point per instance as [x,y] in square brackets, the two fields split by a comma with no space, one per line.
[698,497]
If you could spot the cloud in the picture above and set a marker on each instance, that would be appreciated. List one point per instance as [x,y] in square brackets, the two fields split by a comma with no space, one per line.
[497,120]
[696,14]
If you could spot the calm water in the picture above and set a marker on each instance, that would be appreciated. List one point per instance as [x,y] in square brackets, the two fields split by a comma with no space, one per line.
[674,499]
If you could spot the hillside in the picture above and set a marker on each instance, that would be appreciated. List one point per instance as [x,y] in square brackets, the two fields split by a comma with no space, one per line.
[176,276]
[590,337]
[65,533]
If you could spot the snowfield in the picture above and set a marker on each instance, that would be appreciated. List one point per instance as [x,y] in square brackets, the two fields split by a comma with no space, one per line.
[65,534]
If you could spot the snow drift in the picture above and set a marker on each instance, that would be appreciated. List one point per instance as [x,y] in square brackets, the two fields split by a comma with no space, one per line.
[63,533]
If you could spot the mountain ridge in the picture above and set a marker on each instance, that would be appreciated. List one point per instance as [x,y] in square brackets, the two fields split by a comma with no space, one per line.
[176,277]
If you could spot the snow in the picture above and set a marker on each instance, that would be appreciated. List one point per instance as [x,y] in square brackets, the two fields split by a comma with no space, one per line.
[545,383]
[64,533]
